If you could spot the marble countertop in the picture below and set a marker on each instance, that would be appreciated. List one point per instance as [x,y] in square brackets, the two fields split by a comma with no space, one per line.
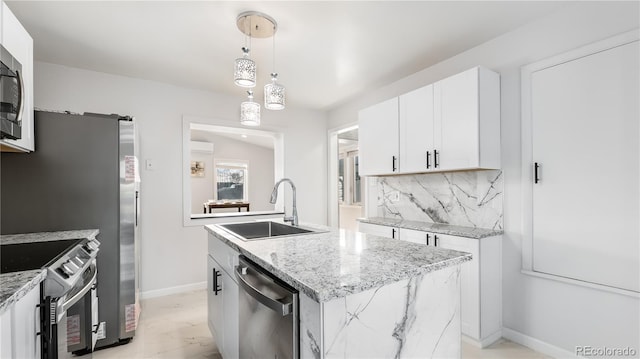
[460,231]
[338,263]
[47,236]
[13,286]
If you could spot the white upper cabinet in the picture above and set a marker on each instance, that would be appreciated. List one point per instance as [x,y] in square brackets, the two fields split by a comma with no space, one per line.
[467,121]
[378,139]
[416,130]
[453,124]
[18,42]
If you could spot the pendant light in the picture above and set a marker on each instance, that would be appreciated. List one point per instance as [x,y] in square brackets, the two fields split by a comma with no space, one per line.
[257,25]
[250,111]
[244,74]
[274,93]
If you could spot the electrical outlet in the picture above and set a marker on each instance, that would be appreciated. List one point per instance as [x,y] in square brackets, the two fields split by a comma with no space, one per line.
[394,196]
[102,330]
[149,165]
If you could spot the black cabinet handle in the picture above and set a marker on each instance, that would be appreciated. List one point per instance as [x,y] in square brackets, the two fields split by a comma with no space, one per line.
[435,159]
[428,157]
[536,166]
[216,287]
[435,240]
[394,163]
[427,238]
[393,233]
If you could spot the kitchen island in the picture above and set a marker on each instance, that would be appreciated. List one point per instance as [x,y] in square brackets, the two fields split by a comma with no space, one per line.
[360,295]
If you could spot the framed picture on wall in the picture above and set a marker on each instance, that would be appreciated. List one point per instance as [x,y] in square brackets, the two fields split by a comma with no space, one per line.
[197,169]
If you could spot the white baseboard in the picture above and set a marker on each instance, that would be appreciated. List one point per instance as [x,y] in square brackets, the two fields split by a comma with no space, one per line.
[536,344]
[172,290]
[484,342]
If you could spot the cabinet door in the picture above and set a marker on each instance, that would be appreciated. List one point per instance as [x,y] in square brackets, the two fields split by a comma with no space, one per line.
[469,282]
[593,101]
[230,316]
[416,130]
[456,101]
[18,42]
[413,236]
[26,323]
[6,340]
[215,302]
[378,138]
[378,230]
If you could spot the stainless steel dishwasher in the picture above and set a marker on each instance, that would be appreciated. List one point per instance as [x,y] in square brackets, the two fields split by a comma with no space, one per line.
[268,311]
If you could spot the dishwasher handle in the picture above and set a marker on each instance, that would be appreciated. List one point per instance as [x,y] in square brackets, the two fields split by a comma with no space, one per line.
[273,303]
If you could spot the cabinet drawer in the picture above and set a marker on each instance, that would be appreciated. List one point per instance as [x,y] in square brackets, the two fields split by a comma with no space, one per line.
[378,230]
[223,254]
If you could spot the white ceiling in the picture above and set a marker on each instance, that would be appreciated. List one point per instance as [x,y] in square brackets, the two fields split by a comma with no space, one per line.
[326,52]
[247,135]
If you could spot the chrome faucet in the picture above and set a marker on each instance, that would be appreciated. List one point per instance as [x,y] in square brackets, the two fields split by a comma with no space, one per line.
[274,197]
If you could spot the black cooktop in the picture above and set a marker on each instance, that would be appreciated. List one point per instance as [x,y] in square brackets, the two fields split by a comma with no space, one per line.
[33,255]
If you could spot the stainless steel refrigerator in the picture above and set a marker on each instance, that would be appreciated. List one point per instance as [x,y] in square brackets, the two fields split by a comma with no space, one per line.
[83,174]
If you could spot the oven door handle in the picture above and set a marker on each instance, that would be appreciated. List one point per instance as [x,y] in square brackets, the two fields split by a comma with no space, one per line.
[87,287]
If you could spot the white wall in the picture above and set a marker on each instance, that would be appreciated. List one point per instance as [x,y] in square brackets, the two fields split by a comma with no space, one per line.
[174,255]
[261,171]
[202,187]
[559,314]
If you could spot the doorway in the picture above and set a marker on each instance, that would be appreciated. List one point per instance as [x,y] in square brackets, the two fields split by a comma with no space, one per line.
[346,203]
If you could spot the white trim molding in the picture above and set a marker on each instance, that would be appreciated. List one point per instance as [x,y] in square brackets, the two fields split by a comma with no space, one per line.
[173,290]
[536,344]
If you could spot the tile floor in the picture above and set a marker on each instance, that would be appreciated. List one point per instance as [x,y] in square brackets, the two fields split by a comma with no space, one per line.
[175,327]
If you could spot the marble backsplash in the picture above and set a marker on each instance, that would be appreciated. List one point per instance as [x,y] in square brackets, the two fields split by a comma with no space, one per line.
[471,198]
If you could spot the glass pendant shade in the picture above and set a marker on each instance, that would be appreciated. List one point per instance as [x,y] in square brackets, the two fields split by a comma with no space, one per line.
[244,73]
[274,94]
[250,112]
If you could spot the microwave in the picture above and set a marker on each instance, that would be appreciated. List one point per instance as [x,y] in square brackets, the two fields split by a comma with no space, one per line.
[11,96]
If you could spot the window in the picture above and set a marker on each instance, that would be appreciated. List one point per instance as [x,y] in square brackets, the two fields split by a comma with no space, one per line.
[231,180]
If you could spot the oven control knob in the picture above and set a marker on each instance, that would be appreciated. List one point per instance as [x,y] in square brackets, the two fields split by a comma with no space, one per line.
[77,261]
[68,269]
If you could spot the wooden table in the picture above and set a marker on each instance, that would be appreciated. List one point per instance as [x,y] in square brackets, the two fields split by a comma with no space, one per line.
[239,206]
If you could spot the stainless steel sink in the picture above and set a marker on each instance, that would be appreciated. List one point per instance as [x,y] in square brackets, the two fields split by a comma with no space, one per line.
[249,231]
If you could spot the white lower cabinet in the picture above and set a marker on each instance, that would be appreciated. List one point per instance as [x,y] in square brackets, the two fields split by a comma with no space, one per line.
[481,279]
[222,298]
[19,326]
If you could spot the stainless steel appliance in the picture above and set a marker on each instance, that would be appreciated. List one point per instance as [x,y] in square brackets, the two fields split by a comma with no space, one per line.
[71,279]
[268,314]
[11,96]
[84,174]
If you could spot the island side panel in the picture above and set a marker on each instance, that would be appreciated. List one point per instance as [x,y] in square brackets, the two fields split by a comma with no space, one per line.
[310,329]
[418,317]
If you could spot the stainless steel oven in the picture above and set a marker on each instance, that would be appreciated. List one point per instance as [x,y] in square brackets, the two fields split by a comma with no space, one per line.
[69,303]
[11,96]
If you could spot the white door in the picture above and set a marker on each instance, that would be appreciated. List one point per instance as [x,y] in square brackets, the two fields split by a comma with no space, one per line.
[585,116]
[378,138]
[215,301]
[416,130]
[469,282]
[456,103]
